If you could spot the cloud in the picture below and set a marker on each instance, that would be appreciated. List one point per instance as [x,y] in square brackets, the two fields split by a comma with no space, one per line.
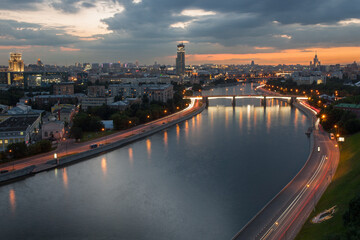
[68,49]
[149,29]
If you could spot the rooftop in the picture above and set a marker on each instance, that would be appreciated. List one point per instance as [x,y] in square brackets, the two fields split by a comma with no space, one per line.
[20,123]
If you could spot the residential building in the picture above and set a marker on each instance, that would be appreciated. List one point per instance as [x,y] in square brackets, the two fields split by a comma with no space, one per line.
[95,101]
[18,129]
[66,88]
[53,130]
[155,92]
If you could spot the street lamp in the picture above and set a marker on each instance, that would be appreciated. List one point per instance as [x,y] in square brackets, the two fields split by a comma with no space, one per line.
[55,157]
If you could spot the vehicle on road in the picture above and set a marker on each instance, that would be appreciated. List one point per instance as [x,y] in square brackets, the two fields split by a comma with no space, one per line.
[332,136]
[93,146]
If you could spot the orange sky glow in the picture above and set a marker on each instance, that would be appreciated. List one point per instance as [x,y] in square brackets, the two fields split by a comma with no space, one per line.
[327,56]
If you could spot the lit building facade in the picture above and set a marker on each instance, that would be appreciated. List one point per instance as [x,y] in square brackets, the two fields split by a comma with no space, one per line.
[180,59]
[316,63]
[16,64]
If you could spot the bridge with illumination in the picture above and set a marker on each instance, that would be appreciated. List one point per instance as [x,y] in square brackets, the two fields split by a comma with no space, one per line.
[289,98]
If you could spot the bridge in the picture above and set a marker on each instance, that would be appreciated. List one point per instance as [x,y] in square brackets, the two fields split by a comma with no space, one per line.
[289,98]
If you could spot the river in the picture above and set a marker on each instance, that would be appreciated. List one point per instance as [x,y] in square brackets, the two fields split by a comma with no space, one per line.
[202,179]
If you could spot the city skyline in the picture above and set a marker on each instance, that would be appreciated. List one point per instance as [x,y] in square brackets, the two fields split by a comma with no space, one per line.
[274,32]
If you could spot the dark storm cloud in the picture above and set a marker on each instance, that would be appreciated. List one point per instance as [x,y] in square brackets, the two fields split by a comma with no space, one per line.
[239,26]
[67,6]
[244,22]
[19,4]
[14,33]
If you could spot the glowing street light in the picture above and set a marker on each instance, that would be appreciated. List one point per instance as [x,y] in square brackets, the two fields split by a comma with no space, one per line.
[323,116]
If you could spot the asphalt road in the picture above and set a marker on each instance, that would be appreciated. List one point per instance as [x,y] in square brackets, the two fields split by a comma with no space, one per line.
[284,215]
[69,146]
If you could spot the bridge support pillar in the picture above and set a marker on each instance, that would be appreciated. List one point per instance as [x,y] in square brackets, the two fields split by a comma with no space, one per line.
[206,101]
[292,100]
[233,101]
[263,102]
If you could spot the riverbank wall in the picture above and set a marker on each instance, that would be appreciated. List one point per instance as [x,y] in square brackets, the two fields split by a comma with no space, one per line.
[67,160]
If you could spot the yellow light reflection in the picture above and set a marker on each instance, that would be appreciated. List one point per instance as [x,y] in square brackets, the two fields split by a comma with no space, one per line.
[131,157]
[177,133]
[148,147]
[65,178]
[255,118]
[186,128]
[241,119]
[226,118]
[12,200]
[248,117]
[296,119]
[104,166]
[165,139]
[268,122]
[198,121]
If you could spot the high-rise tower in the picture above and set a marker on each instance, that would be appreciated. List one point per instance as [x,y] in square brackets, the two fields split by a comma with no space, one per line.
[180,59]
[316,62]
[16,64]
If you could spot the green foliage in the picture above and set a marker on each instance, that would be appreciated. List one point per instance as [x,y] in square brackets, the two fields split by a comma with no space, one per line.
[17,150]
[345,120]
[11,96]
[103,112]
[76,132]
[224,81]
[332,85]
[87,122]
[20,150]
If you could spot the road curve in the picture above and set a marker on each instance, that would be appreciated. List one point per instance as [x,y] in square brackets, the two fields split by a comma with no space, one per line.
[69,146]
[284,215]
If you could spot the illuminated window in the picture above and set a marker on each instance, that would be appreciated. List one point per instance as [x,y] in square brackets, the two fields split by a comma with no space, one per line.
[21,133]
[1,142]
[6,141]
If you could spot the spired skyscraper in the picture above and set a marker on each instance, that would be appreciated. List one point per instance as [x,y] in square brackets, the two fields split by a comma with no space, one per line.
[180,59]
[16,64]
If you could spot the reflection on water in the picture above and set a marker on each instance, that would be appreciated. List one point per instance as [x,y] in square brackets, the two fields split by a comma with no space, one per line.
[65,178]
[212,178]
[12,200]
[131,157]
[165,139]
[103,166]
[186,128]
[177,133]
[148,148]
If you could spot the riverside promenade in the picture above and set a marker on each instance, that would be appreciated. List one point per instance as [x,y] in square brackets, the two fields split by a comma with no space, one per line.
[69,151]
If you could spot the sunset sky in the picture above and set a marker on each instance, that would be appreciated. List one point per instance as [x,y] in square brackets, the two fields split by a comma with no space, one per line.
[226,32]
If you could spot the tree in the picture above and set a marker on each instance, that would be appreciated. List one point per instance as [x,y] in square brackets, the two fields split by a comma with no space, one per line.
[76,132]
[17,150]
[45,145]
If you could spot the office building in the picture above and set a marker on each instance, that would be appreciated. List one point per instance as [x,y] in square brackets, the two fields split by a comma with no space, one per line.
[180,59]
[16,64]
